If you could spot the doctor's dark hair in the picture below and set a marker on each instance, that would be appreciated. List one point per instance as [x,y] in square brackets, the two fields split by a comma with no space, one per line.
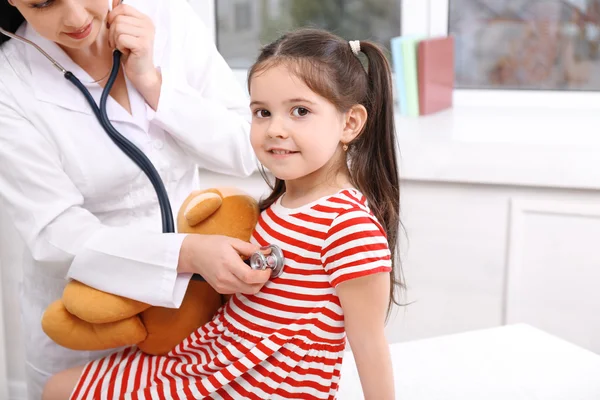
[327,64]
[10,19]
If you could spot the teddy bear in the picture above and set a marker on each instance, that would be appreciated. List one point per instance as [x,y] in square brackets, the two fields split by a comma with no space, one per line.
[89,319]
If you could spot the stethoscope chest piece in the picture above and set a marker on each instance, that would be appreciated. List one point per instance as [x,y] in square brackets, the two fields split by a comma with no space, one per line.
[270,256]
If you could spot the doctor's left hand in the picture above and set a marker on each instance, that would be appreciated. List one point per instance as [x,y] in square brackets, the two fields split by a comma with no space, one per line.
[132,33]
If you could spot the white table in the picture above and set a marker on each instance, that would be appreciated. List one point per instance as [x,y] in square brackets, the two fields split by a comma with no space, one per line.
[516,362]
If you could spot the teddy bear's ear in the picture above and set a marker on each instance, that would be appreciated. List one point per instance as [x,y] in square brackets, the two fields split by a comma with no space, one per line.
[201,207]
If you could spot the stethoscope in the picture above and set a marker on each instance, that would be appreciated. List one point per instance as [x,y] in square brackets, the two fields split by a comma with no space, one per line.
[270,256]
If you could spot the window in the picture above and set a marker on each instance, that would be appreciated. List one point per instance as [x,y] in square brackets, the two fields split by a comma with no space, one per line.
[239,38]
[526,44]
[439,17]
[243,17]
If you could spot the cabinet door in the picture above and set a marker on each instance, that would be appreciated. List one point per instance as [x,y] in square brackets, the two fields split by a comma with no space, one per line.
[553,270]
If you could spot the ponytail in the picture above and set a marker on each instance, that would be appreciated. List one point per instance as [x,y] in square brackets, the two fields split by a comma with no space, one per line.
[374,165]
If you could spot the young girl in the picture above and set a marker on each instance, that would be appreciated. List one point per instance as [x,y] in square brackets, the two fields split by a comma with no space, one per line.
[323,126]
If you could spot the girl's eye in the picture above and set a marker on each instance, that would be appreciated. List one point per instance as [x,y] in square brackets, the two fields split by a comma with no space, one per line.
[262,113]
[300,112]
[43,5]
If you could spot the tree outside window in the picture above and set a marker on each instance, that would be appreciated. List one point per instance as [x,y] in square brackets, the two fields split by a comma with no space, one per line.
[526,44]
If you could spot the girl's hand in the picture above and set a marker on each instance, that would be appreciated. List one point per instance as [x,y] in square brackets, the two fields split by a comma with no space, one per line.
[132,33]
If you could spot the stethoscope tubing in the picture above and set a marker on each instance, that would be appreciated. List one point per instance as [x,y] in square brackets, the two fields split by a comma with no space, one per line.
[135,154]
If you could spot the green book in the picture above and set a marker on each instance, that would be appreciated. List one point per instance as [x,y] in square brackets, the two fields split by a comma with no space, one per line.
[409,50]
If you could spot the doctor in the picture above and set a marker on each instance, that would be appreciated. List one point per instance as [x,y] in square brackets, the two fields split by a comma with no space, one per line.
[83,209]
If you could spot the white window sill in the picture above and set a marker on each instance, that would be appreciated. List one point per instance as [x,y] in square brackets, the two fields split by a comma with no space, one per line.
[529,146]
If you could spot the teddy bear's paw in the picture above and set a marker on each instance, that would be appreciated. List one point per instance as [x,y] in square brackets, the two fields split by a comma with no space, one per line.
[97,307]
[71,332]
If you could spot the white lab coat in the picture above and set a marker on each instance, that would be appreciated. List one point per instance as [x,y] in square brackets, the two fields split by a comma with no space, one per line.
[82,208]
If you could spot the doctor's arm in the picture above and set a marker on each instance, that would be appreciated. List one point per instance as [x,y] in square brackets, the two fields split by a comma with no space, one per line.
[47,211]
[204,107]
[68,241]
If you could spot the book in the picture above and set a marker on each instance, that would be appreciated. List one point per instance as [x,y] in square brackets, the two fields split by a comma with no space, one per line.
[435,70]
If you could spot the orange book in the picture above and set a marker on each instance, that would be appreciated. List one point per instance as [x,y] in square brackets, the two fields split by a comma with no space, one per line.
[435,65]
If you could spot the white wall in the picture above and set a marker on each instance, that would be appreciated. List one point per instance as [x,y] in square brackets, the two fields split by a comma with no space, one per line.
[4,379]
[10,250]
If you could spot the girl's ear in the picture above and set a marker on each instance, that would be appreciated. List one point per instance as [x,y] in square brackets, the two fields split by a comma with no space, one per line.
[355,120]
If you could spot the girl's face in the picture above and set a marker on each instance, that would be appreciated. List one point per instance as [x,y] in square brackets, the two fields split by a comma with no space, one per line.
[73,24]
[296,134]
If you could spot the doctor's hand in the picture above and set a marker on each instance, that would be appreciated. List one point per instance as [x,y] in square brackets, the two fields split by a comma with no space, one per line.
[132,33]
[217,259]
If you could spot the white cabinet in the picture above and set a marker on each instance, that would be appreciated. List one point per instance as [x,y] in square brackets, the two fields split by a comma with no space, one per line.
[479,256]
[12,352]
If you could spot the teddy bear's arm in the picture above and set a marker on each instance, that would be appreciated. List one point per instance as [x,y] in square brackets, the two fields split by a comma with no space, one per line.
[69,331]
[98,307]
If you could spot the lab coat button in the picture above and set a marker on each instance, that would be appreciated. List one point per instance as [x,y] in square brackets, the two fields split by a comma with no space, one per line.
[158,144]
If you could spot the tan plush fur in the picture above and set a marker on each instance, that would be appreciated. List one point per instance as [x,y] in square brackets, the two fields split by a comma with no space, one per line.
[89,319]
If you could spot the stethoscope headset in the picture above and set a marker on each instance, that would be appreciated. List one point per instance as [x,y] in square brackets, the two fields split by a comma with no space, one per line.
[269,256]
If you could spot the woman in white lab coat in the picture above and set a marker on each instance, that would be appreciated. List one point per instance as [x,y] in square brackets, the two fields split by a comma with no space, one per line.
[81,206]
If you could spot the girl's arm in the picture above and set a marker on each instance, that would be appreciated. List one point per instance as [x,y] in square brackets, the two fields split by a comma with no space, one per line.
[364,302]
[62,385]
[356,255]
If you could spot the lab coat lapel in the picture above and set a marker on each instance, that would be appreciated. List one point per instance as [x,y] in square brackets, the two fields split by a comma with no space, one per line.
[49,86]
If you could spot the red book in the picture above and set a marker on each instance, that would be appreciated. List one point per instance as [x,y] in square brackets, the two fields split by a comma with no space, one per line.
[435,64]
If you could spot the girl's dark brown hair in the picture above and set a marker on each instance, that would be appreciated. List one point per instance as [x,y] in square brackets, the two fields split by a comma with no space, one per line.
[328,66]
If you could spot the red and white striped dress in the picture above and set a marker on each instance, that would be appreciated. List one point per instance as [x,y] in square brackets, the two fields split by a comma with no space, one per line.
[287,341]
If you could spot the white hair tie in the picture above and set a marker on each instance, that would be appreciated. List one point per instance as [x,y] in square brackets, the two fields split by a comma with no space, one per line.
[355,46]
